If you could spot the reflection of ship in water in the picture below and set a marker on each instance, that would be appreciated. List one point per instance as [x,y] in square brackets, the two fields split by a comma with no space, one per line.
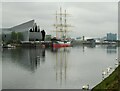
[29,59]
[61,64]
[54,50]
[111,49]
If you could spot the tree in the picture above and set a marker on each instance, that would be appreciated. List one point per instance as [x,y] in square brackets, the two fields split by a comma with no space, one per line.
[16,37]
[13,36]
[36,28]
[19,36]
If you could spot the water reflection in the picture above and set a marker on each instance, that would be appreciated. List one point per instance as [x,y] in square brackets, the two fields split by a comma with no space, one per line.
[29,59]
[55,68]
[111,49]
[90,45]
[85,46]
[61,64]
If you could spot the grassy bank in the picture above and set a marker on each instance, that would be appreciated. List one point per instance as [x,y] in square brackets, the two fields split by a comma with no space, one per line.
[111,83]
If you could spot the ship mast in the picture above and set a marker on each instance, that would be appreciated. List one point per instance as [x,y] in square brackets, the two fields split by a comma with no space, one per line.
[56,24]
[61,23]
[65,25]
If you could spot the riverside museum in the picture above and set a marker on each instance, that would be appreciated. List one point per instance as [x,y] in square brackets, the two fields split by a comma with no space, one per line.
[29,30]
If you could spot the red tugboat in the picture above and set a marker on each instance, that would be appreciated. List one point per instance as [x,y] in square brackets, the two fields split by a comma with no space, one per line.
[61,27]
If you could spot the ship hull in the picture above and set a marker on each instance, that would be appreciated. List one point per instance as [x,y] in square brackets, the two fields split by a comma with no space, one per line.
[60,44]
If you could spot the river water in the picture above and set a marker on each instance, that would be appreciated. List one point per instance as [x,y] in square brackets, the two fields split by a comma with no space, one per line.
[64,68]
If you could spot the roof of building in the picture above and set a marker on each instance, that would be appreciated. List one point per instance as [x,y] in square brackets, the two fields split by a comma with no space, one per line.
[24,26]
[21,27]
[25,23]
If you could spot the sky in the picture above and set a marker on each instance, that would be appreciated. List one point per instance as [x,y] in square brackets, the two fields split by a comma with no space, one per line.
[91,19]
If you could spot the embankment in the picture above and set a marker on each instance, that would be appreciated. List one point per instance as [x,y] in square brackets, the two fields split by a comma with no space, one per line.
[111,83]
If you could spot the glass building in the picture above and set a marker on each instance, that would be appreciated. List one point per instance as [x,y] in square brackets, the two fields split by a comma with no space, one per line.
[111,37]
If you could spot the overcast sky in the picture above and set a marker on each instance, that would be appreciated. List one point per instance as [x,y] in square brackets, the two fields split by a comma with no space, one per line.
[89,18]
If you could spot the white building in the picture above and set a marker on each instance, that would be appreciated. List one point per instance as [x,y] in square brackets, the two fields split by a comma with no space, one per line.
[27,29]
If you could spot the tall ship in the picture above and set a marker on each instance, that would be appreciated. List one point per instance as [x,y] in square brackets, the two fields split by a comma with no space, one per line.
[61,29]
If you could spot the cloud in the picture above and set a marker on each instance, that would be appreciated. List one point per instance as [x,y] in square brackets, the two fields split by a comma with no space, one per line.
[89,19]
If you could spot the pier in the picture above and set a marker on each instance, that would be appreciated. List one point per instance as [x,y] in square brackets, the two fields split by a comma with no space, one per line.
[36,44]
[48,44]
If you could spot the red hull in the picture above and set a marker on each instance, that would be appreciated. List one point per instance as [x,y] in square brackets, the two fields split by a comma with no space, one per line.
[60,45]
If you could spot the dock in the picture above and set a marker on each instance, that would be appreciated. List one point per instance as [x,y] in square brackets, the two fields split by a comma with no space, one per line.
[36,44]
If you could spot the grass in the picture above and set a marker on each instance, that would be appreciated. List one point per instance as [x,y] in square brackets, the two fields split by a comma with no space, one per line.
[111,83]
